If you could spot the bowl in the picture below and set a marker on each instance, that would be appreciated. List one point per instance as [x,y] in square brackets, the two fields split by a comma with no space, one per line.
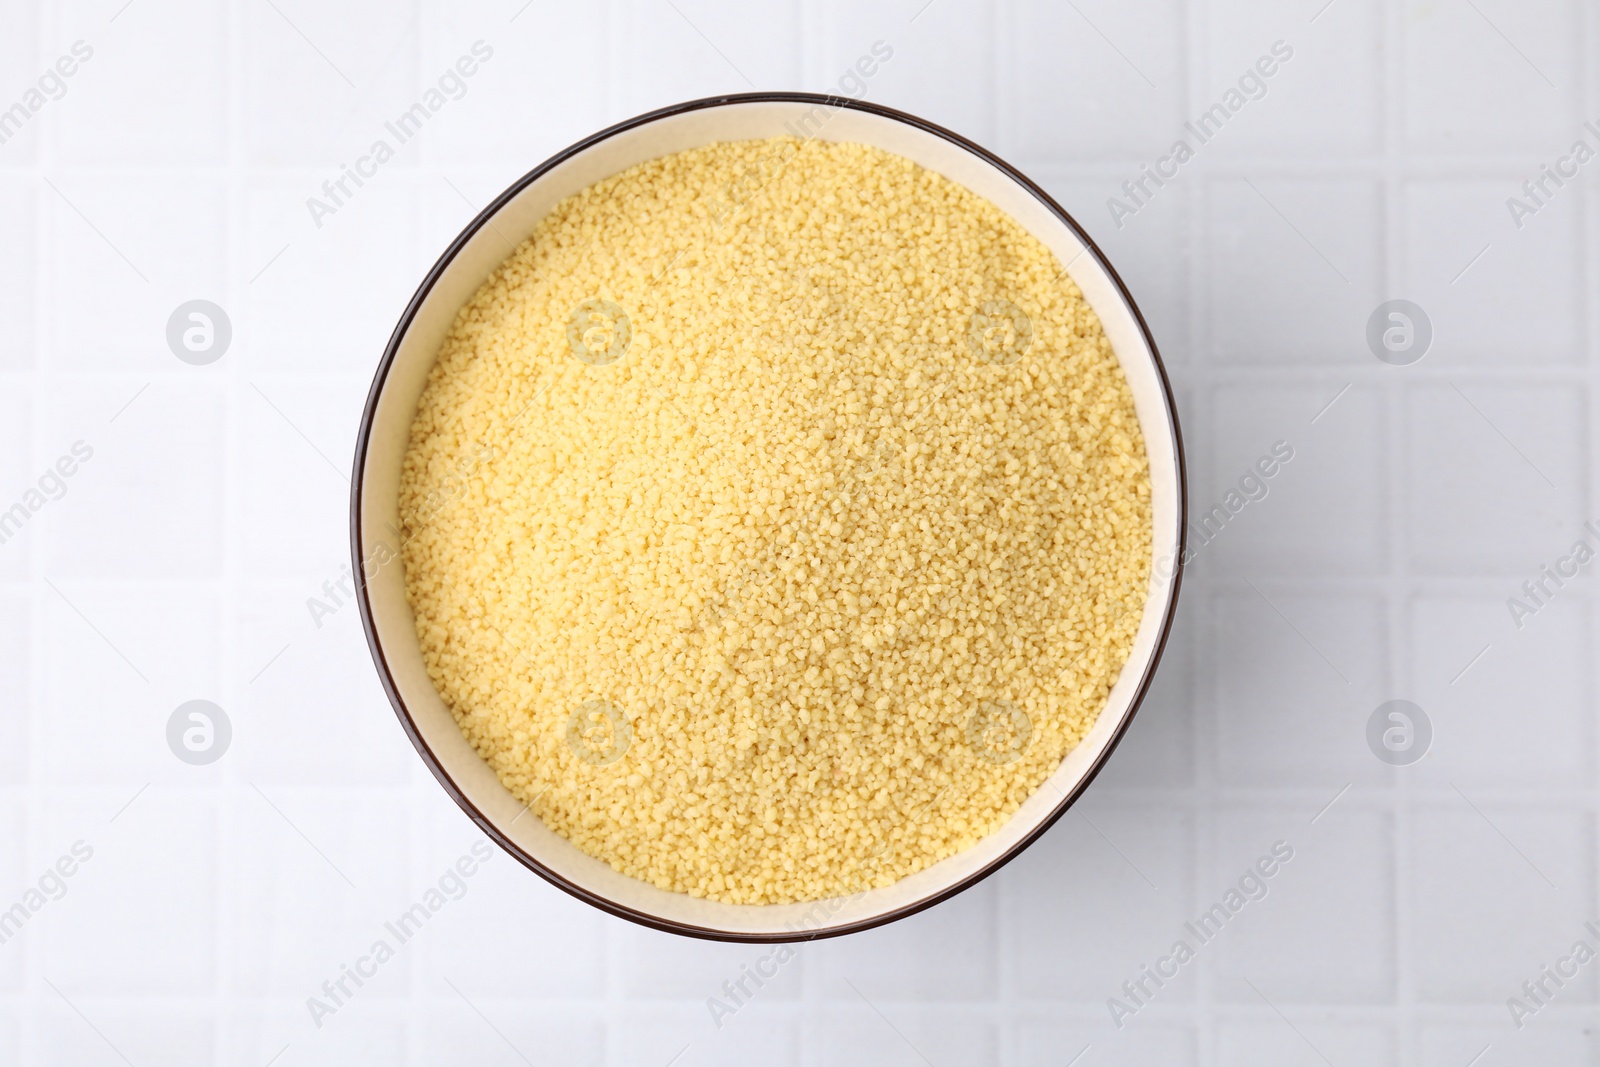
[392,403]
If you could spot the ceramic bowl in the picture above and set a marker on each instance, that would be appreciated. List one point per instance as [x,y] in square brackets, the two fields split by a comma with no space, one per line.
[403,370]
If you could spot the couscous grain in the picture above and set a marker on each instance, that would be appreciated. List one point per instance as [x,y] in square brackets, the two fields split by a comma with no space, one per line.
[777,519]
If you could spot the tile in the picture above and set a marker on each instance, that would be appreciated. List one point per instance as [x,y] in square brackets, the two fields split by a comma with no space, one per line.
[111,680]
[1108,887]
[473,1026]
[312,711]
[22,499]
[1463,252]
[701,49]
[15,713]
[512,916]
[19,269]
[755,1034]
[20,939]
[23,64]
[452,202]
[1293,690]
[1294,267]
[949,952]
[1537,680]
[324,873]
[296,446]
[1325,101]
[663,966]
[369,833]
[1494,76]
[1529,868]
[146,500]
[373,1031]
[320,81]
[905,1036]
[1495,474]
[1547,1042]
[1122,66]
[304,310]
[1051,1043]
[1324,508]
[1333,901]
[112,1032]
[572,84]
[154,868]
[937,63]
[125,252]
[1274,1044]
[154,90]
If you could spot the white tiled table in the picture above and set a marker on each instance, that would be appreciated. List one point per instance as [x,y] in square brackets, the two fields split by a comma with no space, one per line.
[178,563]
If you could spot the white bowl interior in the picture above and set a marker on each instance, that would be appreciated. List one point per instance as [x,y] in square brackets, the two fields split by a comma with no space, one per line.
[485,250]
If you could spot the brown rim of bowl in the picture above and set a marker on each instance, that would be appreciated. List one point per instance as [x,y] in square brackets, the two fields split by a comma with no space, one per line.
[365,430]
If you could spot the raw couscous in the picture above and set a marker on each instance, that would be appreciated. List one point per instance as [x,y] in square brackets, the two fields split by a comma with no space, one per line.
[777,518]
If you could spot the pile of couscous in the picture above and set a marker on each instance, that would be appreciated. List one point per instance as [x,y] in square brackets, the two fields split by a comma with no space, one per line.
[776,512]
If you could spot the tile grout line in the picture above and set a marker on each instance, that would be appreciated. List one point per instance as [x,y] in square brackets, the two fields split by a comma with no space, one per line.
[1589,272]
[1202,447]
[1399,587]
[227,873]
[41,379]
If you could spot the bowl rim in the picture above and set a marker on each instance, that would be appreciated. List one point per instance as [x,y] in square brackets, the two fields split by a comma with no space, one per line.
[380,380]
